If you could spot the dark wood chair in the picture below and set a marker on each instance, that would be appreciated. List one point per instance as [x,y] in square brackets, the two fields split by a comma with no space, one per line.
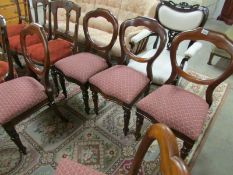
[15,106]
[183,111]
[80,67]
[123,84]
[170,162]
[63,43]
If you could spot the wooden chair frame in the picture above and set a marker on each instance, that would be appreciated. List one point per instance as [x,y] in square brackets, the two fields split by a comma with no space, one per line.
[91,46]
[220,41]
[152,25]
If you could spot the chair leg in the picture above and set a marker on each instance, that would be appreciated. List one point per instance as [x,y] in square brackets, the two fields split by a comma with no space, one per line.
[139,123]
[185,149]
[210,58]
[127,113]
[63,85]
[17,61]
[95,101]
[85,98]
[55,80]
[15,138]
[147,91]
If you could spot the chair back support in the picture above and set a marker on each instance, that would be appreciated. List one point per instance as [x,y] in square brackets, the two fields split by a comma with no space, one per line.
[219,40]
[5,48]
[170,163]
[26,10]
[68,6]
[154,27]
[90,44]
[180,17]
[42,73]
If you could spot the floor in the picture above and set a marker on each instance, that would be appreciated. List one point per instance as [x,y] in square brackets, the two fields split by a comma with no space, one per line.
[216,156]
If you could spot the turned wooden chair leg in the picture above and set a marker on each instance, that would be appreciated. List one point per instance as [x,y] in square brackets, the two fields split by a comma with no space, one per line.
[85,98]
[210,58]
[17,61]
[15,138]
[185,149]
[95,101]
[127,113]
[63,85]
[139,123]
[55,80]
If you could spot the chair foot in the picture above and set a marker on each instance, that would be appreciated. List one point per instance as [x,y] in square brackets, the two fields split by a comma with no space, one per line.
[139,123]
[127,113]
[95,101]
[185,150]
[55,80]
[85,98]
[63,85]
[15,138]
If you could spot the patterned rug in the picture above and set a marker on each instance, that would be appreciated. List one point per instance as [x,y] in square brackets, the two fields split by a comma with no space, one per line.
[96,141]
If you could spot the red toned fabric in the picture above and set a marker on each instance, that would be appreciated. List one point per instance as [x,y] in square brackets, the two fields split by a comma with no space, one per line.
[19,95]
[121,82]
[3,70]
[81,66]
[58,49]
[14,29]
[177,108]
[68,167]
[15,42]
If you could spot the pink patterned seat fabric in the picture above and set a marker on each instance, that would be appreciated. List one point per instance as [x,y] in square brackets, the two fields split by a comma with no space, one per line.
[177,108]
[81,66]
[120,82]
[19,95]
[68,167]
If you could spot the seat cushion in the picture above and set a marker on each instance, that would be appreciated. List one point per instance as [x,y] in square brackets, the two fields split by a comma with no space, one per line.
[161,67]
[14,29]
[68,167]
[19,95]
[177,108]
[58,49]
[3,70]
[81,66]
[120,82]
[15,45]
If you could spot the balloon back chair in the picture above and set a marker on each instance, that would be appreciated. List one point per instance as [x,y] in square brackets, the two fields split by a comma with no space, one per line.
[183,111]
[63,43]
[22,96]
[80,67]
[170,162]
[122,84]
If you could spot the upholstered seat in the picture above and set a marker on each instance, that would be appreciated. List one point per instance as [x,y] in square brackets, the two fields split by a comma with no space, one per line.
[14,29]
[19,95]
[81,66]
[120,82]
[179,109]
[15,45]
[58,49]
[68,167]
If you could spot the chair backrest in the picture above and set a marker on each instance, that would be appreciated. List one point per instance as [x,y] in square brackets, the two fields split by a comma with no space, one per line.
[26,10]
[154,27]
[170,162]
[219,40]
[180,17]
[6,54]
[90,44]
[38,72]
[68,6]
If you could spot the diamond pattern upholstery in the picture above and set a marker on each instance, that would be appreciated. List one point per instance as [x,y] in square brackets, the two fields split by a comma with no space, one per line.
[177,108]
[58,49]
[68,167]
[19,95]
[81,66]
[120,82]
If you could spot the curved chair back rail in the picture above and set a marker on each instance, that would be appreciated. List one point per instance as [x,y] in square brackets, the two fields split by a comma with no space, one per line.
[68,6]
[36,29]
[219,40]
[99,12]
[155,28]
